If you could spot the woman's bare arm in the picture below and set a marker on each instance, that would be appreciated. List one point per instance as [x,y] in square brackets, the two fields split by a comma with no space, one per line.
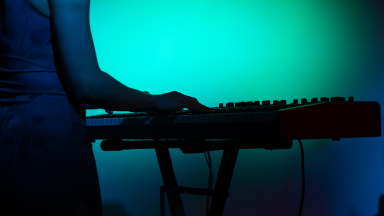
[76,59]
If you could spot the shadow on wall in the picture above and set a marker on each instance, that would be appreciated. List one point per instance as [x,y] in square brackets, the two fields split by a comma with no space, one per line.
[381,206]
[114,209]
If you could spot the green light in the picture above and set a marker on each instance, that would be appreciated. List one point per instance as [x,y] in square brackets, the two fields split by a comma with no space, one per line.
[220,51]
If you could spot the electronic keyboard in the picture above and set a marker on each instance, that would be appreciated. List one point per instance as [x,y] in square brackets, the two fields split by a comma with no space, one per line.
[235,126]
[332,118]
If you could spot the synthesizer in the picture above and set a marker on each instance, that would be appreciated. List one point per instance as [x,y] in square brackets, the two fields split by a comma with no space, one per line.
[318,118]
[235,126]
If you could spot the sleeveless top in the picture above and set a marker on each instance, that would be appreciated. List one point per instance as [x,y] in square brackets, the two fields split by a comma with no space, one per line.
[27,63]
[47,166]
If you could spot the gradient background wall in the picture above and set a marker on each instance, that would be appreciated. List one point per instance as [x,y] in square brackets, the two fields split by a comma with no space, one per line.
[240,50]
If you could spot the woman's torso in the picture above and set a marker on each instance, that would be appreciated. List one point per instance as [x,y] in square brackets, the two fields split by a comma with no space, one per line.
[44,142]
[27,63]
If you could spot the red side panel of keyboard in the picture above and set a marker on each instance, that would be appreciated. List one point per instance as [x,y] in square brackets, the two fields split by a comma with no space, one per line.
[331,120]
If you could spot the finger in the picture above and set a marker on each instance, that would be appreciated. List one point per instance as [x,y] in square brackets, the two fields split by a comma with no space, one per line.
[199,108]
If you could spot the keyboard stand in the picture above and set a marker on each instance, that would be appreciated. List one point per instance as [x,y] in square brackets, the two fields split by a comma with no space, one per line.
[220,192]
[169,180]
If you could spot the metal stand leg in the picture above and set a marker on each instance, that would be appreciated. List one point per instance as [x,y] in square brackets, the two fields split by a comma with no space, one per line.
[169,179]
[223,182]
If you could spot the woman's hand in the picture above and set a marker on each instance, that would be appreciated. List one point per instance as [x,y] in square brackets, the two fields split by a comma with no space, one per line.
[175,101]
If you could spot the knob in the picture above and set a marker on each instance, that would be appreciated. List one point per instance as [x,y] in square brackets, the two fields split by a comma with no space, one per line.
[295,101]
[275,102]
[351,99]
[266,102]
[230,104]
[220,105]
[314,100]
[333,99]
[324,99]
[257,103]
[304,101]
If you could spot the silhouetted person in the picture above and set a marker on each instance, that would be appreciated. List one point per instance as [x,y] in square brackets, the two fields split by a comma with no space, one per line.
[48,70]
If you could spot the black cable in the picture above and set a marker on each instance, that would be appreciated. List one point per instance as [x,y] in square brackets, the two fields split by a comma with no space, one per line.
[302,178]
[210,170]
[210,182]
[206,209]
[209,162]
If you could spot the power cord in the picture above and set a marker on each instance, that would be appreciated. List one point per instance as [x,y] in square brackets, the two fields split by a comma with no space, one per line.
[209,162]
[302,178]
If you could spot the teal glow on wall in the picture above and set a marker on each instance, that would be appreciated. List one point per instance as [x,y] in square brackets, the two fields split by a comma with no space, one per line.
[232,51]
